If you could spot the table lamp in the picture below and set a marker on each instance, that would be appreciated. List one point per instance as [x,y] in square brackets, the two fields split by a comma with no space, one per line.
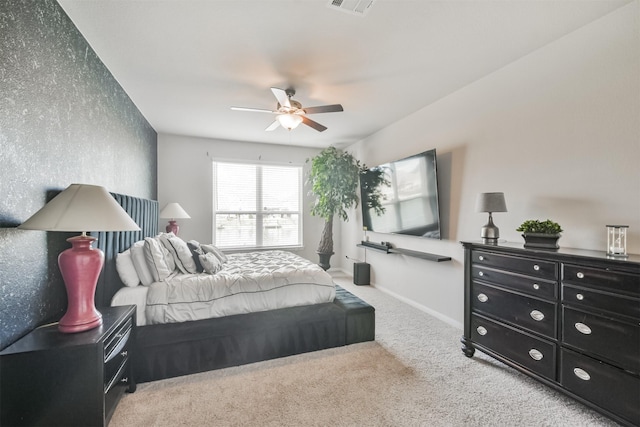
[173,211]
[81,208]
[490,202]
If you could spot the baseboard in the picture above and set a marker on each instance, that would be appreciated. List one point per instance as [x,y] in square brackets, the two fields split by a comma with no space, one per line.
[437,315]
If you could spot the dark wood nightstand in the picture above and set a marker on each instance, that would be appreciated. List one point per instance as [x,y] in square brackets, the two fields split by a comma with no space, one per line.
[54,379]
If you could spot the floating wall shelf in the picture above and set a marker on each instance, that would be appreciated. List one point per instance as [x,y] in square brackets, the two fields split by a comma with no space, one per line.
[407,252]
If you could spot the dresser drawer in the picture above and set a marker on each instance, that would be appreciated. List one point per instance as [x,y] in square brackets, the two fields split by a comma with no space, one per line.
[518,282]
[602,302]
[602,384]
[614,341]
[530,267]
[620,282]
[520,310]
[533,353]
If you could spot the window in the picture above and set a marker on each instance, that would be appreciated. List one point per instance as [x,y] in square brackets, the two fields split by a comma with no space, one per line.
[256,205]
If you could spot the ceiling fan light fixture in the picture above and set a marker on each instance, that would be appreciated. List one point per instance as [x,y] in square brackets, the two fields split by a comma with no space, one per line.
[289,121]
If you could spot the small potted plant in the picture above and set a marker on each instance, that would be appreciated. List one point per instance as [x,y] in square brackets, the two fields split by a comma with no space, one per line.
[540,234]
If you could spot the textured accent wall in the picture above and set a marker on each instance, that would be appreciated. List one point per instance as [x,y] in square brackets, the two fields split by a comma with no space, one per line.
[63,119]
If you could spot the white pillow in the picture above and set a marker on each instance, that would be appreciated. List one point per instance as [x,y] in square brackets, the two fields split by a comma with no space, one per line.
[210,263]
[180,252]
[159,260]
[140,263]
[214,250]
[126,270]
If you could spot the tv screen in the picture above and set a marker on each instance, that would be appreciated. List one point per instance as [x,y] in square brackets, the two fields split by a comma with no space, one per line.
[408,194]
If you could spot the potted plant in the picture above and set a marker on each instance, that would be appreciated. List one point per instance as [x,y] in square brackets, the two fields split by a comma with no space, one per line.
[372,182]
[333,179]
[540,234]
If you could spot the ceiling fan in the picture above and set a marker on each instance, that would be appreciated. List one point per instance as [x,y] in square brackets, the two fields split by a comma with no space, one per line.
[290,112]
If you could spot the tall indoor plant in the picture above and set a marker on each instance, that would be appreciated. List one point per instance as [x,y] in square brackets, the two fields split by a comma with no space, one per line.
[333,179]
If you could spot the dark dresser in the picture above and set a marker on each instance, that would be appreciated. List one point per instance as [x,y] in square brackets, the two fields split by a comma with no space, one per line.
[48,378]
[569,318]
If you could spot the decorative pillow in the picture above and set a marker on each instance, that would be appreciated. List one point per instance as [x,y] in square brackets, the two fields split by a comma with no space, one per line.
[159,260]
[126,270]
[140,263]
[217,252]
[211,263]
[180,252]
[195,254]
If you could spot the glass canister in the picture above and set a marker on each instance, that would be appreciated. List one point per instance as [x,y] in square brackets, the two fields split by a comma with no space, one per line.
[617,240]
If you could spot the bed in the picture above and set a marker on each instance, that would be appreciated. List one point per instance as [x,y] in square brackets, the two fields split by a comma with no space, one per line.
[174,340]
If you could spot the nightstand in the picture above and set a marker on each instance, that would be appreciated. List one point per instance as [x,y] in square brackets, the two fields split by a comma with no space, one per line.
[50,378]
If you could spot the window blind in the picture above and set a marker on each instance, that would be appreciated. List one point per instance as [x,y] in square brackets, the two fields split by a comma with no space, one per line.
[256,205]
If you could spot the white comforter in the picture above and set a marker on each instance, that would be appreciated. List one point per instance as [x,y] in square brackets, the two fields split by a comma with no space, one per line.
[248,282]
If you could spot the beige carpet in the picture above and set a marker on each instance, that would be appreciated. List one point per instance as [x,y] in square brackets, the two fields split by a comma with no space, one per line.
[414,374]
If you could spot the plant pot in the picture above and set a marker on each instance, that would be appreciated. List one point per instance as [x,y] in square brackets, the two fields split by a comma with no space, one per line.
[324,260]
[541,240]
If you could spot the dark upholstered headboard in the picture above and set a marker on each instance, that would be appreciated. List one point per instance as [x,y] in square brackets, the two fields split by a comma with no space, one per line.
[145,213]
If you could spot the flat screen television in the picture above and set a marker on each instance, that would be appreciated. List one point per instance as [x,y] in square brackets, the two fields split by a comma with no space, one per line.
[408,194]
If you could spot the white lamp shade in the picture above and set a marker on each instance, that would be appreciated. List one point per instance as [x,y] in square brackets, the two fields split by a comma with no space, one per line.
[289,121]
[84,208]
[172,211]
[491,202]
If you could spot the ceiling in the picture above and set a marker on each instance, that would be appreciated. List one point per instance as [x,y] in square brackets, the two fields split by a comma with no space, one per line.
[185,63]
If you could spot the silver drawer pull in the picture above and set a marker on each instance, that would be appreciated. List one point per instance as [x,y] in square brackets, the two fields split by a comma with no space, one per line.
[535,354]
[536,267]
[481,274]
[536,315]
[536,286]
[124,380]
[580,275]
[481,258]
[582,374]
[483,298]
[579,297]
[481,330]
[583,329]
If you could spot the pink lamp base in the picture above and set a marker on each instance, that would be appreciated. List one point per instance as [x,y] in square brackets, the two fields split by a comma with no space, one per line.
[80,266]
[172,227]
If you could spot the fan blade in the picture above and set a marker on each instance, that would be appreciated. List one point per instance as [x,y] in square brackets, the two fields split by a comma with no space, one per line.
[334,108]
[317,126]
[281,96]
[255,110]
[273,126]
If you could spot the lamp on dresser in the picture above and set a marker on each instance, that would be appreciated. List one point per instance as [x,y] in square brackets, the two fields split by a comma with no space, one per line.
[81,208]
[490,202]
[173,211]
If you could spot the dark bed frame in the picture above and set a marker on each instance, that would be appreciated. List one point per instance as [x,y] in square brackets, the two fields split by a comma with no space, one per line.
[170,350]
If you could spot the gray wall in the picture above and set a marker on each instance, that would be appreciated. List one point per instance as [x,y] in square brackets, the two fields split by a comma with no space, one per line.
[557,131]
[63,119]
[185,175]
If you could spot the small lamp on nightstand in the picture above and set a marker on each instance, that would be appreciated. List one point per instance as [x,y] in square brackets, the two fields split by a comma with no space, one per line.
[173,211]
[81,208]
[490,202]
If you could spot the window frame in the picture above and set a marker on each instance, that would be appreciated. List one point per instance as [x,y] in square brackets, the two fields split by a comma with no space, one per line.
[259,214]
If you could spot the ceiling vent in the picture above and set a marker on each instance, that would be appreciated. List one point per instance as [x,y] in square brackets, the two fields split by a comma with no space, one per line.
[355,7]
